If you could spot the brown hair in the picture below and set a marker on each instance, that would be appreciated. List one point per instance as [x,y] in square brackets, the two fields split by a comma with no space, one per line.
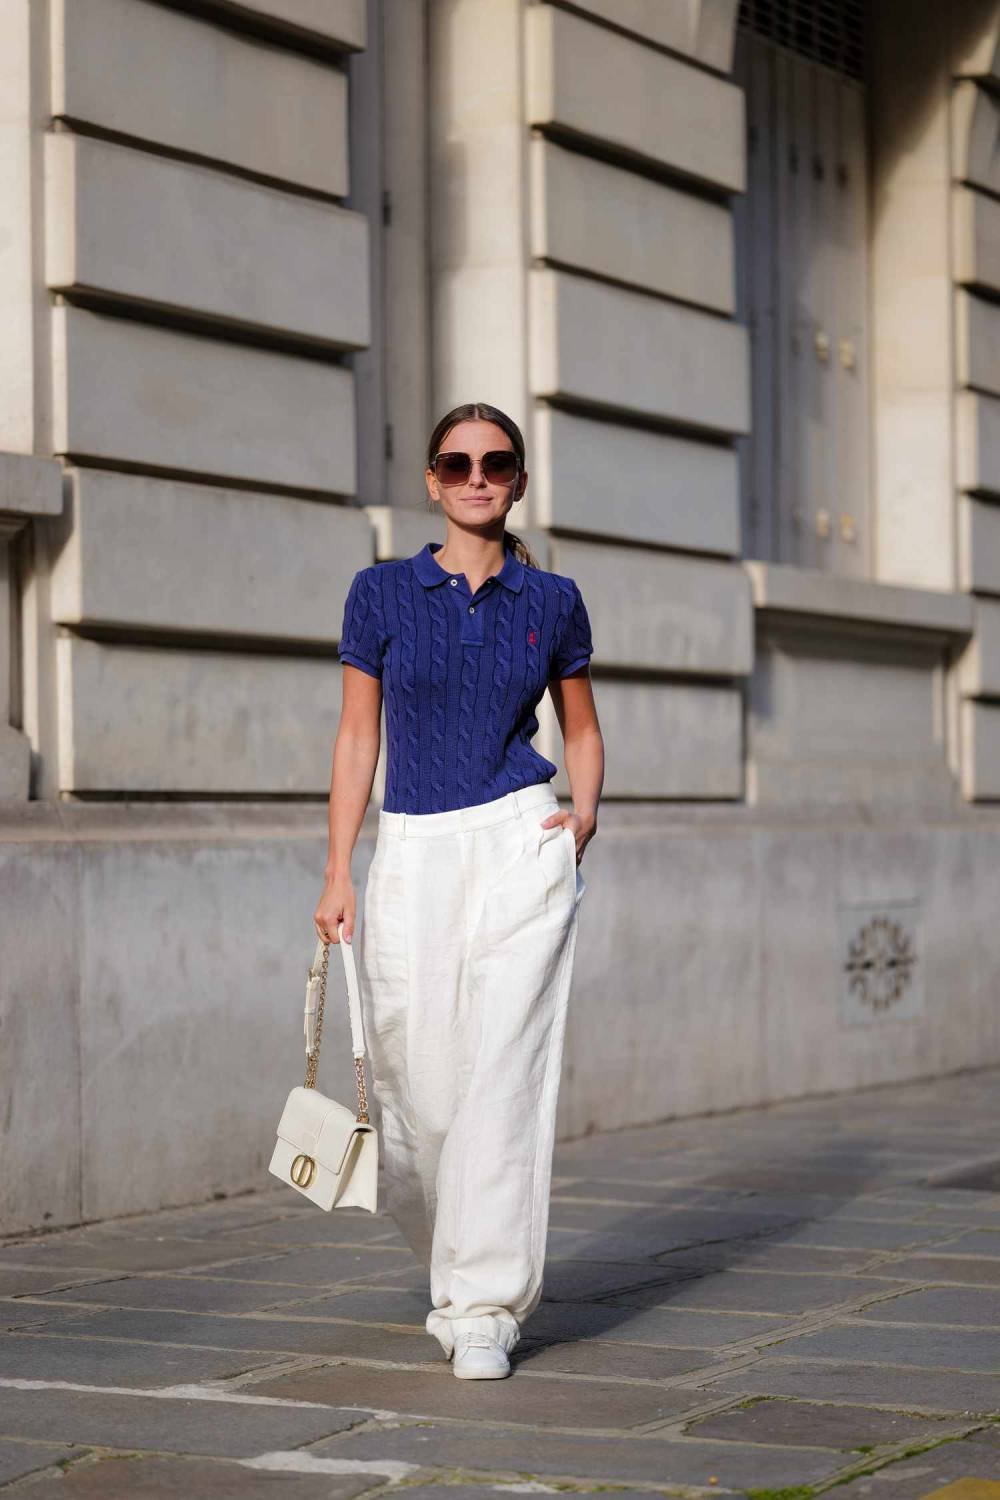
[481,411]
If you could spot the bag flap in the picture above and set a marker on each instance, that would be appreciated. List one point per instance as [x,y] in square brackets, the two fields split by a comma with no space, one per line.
[336,1139]
[306,1116]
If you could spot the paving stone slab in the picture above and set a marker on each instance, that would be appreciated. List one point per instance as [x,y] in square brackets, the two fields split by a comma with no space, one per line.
[19,1283]
[875,1207]
[775,1254]
[968,1269]
[804,1205]
[19,1314]
[962,1306]
[609,1361]
[881,1385]
[558,1322]
[18,1459]
[934,1197]
[580,1456]
[148,1478]
[610,1189]
[124,1327]
[585,1280]
[319,1229]
[798,1181]
[111,1362]
[801,1423]
[200,1219]
[925,1473]
[671,1224]
[756,1291]
[540,1401]
[973,1242]
[606,1155]
[175,1293]
[118,1252]
[772,1255]
[227,1429]
[657,1169]
[628,1248]
[930,1348]
[977,1208]
[415,1278]
[869,1234]
[378,1304]
[702,1260]
[324,1266]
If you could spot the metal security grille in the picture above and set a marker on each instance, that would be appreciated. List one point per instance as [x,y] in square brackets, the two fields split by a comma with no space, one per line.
[802,291]
[831,32]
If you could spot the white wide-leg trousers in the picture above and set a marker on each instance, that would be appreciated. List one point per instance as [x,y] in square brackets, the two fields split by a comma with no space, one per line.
[467,943]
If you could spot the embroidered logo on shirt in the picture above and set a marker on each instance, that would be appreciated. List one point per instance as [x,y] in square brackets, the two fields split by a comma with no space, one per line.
[532,638]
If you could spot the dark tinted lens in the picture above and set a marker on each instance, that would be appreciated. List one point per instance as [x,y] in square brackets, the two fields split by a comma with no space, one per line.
[500,467]
[452,468]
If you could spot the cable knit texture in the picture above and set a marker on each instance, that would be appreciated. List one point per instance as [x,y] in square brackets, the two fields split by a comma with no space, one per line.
[462,674]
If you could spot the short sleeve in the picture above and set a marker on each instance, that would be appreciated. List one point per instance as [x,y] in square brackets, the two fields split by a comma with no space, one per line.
[575,646]
[360,642]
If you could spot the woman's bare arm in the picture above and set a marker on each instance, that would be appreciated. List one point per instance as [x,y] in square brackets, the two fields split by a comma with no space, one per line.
[355,757]
[573,700]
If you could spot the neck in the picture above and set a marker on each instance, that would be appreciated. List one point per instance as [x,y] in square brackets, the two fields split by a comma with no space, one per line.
[475,556]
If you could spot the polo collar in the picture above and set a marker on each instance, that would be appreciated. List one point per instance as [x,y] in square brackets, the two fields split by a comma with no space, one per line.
[430,571]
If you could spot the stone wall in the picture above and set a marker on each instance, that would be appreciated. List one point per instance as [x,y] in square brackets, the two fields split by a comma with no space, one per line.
[195,284]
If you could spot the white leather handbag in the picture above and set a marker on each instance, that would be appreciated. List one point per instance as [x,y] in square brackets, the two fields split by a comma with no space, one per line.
[324,1150]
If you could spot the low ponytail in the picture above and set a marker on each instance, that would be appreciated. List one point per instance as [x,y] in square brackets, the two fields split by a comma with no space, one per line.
[520,549]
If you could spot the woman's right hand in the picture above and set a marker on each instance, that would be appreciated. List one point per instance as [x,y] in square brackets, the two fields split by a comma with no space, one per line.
[336,904]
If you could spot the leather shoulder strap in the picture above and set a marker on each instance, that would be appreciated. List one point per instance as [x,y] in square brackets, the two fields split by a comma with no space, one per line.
[353,993]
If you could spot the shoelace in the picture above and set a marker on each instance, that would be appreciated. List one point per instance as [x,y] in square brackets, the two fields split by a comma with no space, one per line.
[480,1340]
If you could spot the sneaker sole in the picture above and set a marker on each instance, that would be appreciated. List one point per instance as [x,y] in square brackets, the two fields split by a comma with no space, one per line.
[480,1374]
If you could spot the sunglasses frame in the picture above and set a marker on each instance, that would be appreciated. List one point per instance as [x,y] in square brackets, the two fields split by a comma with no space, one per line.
[493,453]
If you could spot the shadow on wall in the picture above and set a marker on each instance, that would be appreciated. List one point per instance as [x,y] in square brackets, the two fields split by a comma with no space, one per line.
[901,29]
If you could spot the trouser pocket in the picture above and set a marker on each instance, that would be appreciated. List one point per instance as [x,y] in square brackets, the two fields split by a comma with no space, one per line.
[556,852]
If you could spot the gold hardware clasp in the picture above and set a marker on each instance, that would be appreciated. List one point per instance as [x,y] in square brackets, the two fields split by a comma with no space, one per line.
[303,1171]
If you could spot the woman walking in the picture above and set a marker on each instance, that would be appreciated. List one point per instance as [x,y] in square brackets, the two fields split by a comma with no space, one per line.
[472,896]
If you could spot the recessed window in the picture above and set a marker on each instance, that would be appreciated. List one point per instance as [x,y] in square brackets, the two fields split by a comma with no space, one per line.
[802,284]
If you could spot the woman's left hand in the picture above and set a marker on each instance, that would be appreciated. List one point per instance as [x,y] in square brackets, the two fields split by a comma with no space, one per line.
[584,826]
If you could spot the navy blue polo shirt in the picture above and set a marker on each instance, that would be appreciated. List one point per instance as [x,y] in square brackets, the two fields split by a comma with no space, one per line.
[462,673]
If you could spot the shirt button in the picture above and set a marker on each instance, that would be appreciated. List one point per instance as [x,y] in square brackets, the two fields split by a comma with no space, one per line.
[472,609]
[453,582]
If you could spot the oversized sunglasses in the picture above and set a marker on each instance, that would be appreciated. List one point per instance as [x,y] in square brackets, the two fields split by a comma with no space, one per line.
[499,467]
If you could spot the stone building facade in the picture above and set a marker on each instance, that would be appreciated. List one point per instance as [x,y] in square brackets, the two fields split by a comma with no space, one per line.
[735,270]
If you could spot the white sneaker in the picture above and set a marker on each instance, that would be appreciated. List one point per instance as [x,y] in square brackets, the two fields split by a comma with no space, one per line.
[478,1357]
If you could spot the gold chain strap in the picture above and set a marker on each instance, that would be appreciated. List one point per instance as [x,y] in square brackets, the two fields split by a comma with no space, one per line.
[312,1058]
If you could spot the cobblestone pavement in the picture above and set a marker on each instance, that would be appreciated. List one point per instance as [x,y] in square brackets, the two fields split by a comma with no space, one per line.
[785,1299]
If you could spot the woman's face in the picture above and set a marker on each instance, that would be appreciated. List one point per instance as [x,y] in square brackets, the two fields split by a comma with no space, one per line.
[476,502]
